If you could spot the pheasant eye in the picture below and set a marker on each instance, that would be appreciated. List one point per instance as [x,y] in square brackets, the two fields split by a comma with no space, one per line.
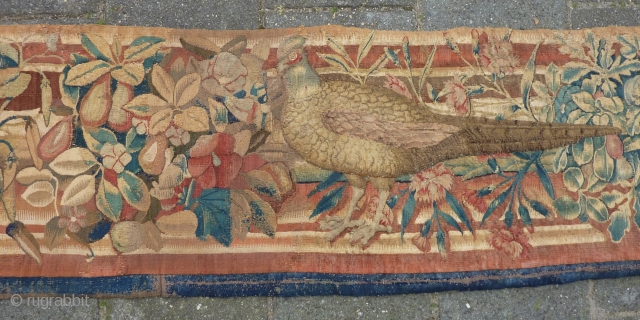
[293,56]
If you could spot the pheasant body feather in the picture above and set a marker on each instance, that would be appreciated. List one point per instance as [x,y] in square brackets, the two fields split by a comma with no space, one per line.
[374,132]
[307,134]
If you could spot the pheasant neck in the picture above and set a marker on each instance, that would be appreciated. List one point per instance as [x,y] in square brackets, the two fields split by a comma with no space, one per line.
[302,81]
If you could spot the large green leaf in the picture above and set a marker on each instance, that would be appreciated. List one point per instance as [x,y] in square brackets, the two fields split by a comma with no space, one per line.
[134,141]
[524,215]
[425,71]
[97,137]
[495,204]
[262,215]
[585,101]
[328,182]
[53,233]
[620,223]
[7,51]
[605,54]
[458,210]
[552,78]
[636,206]
[213,213]
[583,151]
[14,86]
[86,73]
[603,164]
[614,104]
[328,201]
[134,191]
[97,46]
[545,180]
[567,207]
[142,48]
[263,183]
[527,78]
[629,47]
[574,71]
[364,47]
[407,211]
[109,200]
[69,95]
[450,221]
[612,198]
[625,68]
[594,184]
[560,160]
[573,179]
[336,61]
[596,209]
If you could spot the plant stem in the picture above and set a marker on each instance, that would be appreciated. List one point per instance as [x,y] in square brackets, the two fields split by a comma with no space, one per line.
[42,55]
[6,210]
[4,104]
[188,201]
[55,196]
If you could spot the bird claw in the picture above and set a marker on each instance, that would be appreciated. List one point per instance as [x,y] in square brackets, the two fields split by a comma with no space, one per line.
[336,225]
[366,232]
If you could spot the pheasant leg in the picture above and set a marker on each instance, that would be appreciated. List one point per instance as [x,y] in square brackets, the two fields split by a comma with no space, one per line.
[336,224]
[366,232]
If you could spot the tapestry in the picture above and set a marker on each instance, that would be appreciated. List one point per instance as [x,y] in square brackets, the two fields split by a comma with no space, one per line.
[327,160]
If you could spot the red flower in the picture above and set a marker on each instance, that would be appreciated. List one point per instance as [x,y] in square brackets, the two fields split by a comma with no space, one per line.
[370,207]
[471,197]
[513,241]
[430,184]
[457,97]
[497,57]
[421,243]
[397,85]
[212,161]
[73,218]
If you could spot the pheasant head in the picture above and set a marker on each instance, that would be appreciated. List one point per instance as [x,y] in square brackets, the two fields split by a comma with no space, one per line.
[300,79]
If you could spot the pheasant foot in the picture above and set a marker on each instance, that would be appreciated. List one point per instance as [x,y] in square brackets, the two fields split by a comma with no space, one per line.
[366,232]
[339,225]
[336,225]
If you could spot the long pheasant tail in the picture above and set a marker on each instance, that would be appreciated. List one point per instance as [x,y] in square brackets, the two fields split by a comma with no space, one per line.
[529,136]
[480,136]
[574,133]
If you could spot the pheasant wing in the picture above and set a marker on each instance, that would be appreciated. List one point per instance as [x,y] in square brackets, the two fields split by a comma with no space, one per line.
[394,133]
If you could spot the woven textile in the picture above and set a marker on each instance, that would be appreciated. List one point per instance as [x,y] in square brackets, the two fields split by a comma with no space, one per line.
[326,160]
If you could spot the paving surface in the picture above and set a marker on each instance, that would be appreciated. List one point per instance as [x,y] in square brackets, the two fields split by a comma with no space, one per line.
[599,299]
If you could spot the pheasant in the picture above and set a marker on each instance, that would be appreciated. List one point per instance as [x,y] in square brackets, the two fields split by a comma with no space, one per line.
[374,135]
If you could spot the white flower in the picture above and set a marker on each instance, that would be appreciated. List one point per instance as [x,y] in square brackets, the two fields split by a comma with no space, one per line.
[140,125]
[115,157]
[177,136]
